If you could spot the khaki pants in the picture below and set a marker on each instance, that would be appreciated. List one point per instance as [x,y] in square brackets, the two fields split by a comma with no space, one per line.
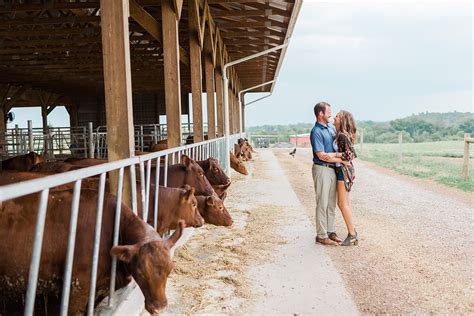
[324,179]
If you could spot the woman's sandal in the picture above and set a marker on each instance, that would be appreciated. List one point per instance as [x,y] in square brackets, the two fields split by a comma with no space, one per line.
[351,240]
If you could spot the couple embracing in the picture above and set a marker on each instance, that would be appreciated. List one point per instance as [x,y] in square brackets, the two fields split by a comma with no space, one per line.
[333,173]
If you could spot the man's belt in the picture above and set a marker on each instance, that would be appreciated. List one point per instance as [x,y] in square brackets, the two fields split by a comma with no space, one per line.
[326,165]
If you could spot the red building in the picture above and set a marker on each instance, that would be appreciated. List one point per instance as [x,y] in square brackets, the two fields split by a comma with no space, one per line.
[300,140]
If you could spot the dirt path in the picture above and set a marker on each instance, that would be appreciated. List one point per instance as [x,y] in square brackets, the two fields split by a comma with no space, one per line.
[264,263]
[417,245]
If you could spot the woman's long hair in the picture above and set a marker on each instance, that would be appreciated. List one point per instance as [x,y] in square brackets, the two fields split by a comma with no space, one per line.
[348,125]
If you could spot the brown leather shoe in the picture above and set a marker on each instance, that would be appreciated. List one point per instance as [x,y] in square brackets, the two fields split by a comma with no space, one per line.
[326,241]
[334,237]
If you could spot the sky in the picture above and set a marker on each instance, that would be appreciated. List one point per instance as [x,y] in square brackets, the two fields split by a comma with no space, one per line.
[380,60]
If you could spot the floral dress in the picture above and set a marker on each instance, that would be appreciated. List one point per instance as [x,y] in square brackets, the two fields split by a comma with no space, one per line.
[345,146]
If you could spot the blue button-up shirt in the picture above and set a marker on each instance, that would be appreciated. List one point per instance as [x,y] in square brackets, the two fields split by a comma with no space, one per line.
[322,138]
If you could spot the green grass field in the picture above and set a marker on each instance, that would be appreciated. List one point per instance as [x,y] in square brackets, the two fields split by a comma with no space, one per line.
[438,161]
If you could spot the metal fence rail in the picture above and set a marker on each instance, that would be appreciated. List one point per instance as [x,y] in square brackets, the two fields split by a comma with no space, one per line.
[56,142]
[199,151]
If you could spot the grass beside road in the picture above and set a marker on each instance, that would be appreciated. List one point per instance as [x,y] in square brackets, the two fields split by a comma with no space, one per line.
[422,160]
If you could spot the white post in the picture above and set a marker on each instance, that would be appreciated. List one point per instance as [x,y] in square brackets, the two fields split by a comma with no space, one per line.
[465,166]
[400,142]
[90,140]
[30,136]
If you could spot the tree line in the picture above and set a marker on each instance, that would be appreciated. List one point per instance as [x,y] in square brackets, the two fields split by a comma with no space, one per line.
[423,127]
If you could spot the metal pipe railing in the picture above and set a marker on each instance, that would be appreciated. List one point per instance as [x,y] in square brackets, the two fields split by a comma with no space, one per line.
[210,148]
[226,93]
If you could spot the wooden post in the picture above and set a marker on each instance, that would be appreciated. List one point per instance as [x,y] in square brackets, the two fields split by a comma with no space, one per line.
[44,116]
[171,73]
[209,70]
[400,142]
[3,128]
[196,73]
[231,112]
[72,110]
[30,136]
[465,166]
[236,114]
[243,112]
[118,88]
[220,102]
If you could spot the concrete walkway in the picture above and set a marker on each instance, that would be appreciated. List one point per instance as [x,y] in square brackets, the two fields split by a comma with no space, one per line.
[301,279]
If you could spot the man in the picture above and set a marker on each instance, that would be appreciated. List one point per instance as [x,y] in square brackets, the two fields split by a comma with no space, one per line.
[324,176]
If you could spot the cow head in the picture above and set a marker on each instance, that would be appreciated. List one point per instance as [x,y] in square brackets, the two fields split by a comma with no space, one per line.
[221,190]
[214,172]
[215,212]
[188,208]
[150,264]
[237,165]
[195,177]
[35,158]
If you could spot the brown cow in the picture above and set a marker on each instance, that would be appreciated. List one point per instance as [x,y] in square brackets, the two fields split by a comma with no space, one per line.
[214,172]
[188,172]
[221,190]
[159,146]
[143,253]
[174,204]
[213,210]
[85,162]
[55,167]
[22,162]
[237,165]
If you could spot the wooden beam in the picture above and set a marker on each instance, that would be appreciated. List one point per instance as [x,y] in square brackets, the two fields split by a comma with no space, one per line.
[118,87]
[209,71]
[171,73]
[48,6]
[152,26]
[46,21]
[146,20]
[178,6]
[241,13]
[219,101]
[196,73]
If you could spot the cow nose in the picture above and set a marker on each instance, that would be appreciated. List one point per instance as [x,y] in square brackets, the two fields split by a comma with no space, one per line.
[229,181]
[155,308]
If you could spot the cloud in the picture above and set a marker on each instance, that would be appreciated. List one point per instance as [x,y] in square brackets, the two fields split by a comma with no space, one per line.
[373,57]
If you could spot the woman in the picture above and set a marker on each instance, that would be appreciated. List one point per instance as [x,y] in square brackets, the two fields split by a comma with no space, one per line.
[343,144]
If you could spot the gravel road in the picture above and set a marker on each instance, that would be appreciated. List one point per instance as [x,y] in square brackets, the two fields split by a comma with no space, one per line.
[417,240]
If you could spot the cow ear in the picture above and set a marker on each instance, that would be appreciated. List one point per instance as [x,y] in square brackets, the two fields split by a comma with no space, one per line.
[170,242]
[186,161]
[209,201]
[32,155]
[189,193]
[124,253]
[186,196]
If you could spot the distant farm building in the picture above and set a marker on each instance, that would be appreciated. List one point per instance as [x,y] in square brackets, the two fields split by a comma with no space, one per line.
[300,140]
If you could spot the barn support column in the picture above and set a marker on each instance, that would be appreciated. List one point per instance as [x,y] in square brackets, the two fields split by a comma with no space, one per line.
[171,72]
[236,113]
[209,67]
[242,104]
[220,102]
[231,112]
[3,127]
[118,88]
[196,72]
